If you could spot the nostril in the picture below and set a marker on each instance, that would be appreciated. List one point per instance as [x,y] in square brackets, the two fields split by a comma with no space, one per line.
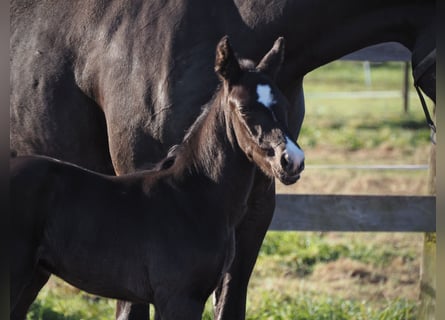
[301,167]
[284,161]
[270,152]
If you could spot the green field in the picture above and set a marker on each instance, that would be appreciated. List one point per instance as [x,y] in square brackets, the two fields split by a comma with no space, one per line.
[310,275]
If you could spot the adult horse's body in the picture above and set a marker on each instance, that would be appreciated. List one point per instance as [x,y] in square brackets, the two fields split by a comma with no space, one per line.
[164,236]
[109,84]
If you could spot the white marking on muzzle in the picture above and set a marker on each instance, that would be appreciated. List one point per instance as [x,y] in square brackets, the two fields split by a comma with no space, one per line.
[265,96]
[295,154]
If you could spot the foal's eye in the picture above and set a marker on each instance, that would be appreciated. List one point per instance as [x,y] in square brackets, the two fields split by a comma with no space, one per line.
[269,111]
[270,152]
[244,110]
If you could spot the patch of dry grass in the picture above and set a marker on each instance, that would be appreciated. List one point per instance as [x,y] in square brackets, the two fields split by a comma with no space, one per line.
[347,278]
[351,279]
[361,181]
[342,181]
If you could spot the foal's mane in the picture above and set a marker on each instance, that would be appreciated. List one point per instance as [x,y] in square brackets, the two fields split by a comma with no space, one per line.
[184,152]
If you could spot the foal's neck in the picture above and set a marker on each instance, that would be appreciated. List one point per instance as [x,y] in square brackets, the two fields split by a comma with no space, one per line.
[210,148]
[210,164]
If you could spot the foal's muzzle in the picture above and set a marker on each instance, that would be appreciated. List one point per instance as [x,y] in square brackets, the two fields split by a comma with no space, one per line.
[291,163]
[290,170]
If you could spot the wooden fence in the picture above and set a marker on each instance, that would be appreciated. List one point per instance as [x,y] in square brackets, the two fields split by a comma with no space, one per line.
[354,213]
[371,213]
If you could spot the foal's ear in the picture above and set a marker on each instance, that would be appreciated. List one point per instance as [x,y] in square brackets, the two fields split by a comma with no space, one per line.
[226,63]
[271,62]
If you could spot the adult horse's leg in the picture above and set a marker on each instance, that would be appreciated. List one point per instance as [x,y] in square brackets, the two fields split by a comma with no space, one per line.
[231,293]
[126,311]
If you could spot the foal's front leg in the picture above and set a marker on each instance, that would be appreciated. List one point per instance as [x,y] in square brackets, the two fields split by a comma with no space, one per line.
[180,308]
[231,293]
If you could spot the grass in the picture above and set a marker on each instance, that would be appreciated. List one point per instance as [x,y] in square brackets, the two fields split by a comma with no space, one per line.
[317,276]
[303,307]
[350,261]
[349,76]
[354,124]
[60,301]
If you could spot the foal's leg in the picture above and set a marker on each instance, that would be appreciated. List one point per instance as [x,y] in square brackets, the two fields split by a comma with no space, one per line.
[157,315]
[180,308]
[231,293]
[27,278]
[23,293]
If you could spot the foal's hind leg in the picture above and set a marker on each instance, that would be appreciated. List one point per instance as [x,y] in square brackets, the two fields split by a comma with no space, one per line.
[23,293]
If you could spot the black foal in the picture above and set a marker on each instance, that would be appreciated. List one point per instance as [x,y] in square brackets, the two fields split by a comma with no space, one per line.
[163,236]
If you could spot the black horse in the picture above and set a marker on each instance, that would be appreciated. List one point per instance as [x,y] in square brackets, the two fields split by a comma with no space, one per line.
[112,85]
[164,236]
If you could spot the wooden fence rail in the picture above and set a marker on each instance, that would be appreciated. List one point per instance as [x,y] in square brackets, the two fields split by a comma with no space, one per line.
[354,213]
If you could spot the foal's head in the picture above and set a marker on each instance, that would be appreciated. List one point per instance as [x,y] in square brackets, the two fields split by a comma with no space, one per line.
[258,111]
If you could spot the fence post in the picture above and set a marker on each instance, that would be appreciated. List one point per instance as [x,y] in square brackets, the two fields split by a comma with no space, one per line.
[405,89]
[428,268]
